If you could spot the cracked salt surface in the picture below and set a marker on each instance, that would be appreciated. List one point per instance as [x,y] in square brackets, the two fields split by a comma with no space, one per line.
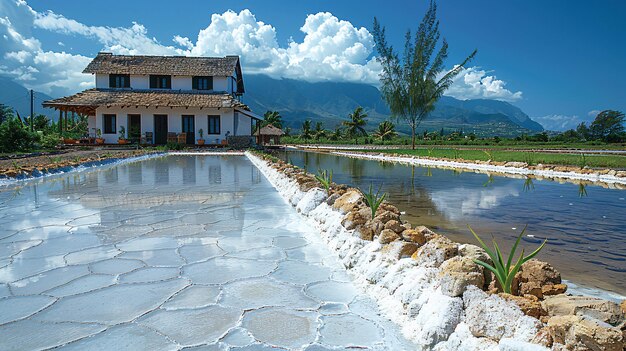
[193,252]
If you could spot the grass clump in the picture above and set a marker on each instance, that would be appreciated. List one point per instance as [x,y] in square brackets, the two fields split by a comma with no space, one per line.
[505,271]
[325,177]
[373,200]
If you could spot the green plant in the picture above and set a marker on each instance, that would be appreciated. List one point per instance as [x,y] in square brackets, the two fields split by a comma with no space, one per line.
[50,141]
[325,178]
[582,161]
[373,200]
[122,132]
[99,133]
[505,272]
[529,159]
[489,155]
[201,133]
[582,190]
[528,184]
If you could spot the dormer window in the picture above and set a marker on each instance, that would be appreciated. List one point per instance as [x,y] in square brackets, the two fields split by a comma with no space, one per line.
[160,82]
[203,83]
[119,81]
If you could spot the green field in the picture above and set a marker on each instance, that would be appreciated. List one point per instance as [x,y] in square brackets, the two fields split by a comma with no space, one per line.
[530,157]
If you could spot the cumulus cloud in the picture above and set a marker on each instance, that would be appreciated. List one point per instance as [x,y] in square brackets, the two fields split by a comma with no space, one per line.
[26,61]
[560,122]
[332,49]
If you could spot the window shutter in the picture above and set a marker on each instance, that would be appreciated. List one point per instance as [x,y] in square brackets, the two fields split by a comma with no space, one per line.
[153,80]
[209,83]
[195,83]
[112,81]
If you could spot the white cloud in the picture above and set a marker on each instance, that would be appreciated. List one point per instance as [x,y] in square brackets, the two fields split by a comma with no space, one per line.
[560,122]
[332,49]
[593,113]
[475,83]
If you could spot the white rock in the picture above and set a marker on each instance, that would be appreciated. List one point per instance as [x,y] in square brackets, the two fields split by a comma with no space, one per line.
[311,200]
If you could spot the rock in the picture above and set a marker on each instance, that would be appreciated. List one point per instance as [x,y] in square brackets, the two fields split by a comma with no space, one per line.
[311,200]
[387,236]
[436,251]
[458,273]
[529,304]
[332,198]
[346,202]
[387,216]
[516,164]
[556,289]
[370,229]
[477,253]
[494,317]
[543,338]
[399,249]
[385,206]
[584,306]
[414,236]
[395,225]
[578,334]
[535,274]
[356,218]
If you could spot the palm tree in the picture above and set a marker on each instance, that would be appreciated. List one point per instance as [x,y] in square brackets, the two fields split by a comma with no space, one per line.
[336,134]
[305,133]
[386,130]
[354,126]
[272,117]
[319,131]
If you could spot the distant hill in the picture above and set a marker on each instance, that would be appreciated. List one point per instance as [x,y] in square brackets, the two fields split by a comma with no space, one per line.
[330,103]
[16,96]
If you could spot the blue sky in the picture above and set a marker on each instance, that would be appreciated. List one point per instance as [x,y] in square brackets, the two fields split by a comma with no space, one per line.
[557,60]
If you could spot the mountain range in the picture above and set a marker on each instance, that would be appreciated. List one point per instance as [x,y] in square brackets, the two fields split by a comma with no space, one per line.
[16,96]
[331,102]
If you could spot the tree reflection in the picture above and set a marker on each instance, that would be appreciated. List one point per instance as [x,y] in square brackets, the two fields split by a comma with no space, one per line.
[528,184]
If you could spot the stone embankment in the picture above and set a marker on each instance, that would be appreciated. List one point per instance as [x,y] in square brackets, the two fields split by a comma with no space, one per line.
[39,165]
[609,177]
[431,286]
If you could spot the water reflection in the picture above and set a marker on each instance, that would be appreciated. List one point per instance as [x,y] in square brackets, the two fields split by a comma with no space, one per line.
[586,233]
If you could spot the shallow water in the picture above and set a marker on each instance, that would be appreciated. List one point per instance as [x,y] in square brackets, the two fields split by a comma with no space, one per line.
[584,225]
[172,252]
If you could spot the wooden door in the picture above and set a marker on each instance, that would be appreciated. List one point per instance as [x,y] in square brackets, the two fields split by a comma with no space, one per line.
[160,129]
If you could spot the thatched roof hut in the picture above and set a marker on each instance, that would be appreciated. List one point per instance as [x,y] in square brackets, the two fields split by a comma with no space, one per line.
[269,135]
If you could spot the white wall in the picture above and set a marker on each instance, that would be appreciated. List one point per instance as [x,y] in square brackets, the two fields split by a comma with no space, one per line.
[181,83]
[102,81]
[174,122]
[139,81]
[220,84]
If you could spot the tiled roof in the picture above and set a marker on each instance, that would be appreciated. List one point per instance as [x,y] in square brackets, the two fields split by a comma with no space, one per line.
[107,63]
[89,100]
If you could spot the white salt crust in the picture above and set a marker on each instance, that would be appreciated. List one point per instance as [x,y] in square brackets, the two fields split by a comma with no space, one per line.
[520,171]
[407,293]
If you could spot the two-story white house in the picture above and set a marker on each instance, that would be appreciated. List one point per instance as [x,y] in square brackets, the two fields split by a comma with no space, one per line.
[159,96]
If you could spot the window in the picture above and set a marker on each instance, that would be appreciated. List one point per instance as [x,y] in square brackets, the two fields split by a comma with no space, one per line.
[202,83]
[109,124]
[214,125]
[160,82]
[119,80]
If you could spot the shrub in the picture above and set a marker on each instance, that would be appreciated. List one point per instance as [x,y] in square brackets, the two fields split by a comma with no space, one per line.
[15,137]
[505,272]
[50,141]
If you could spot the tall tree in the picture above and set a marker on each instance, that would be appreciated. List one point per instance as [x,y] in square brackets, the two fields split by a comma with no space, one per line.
[608,124]
[412,85]
[305,132]
[319,131]
[386,130]
[272,117]
[356,123]
[583,131]
[6,112]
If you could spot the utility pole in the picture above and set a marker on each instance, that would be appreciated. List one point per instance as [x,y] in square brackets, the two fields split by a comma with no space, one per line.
[32,109]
